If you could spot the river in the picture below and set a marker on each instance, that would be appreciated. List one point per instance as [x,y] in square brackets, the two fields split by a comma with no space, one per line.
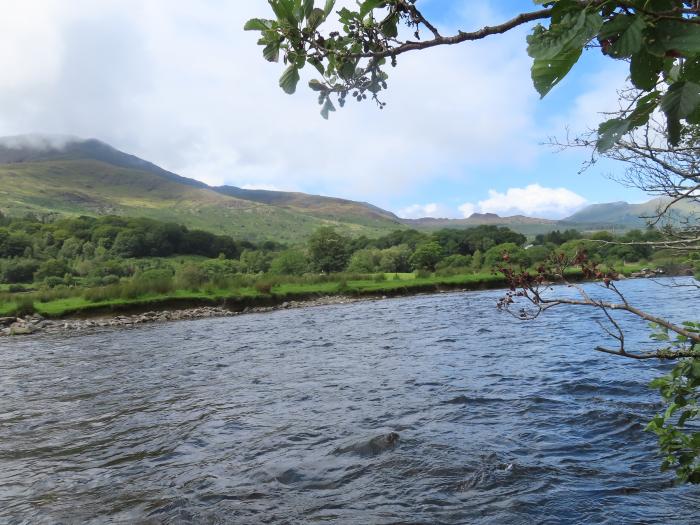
[281,418]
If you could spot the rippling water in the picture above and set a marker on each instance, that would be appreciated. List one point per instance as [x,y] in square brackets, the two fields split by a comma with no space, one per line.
[282,418]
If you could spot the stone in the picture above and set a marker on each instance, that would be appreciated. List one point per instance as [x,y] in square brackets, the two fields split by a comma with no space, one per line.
[7,321]
[22,329]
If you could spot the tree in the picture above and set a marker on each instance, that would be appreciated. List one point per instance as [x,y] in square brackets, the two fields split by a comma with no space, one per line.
[365,261]
[659,38]
[427,256]
[255,261]
[328,250]
[395,259]
[507,251]
[290,262]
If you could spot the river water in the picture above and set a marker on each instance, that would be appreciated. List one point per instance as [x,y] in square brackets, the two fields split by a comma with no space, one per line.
[282,418]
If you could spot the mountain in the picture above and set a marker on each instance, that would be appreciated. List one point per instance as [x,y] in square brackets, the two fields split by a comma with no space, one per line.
[519,223]
[49,174]
[331,208]
[624,215]
[55,174]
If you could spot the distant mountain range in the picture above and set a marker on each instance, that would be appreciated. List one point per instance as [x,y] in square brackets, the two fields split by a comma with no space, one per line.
[47,174]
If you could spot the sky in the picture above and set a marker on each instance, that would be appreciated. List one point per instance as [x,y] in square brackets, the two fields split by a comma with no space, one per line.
[179,83]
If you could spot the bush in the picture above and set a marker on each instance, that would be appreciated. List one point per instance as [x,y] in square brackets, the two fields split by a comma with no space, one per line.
[264,287]
[19,271]
[16,288]
[422,274]
[52,268]
[191,277]
[109,279]
[25,306]
[53,282]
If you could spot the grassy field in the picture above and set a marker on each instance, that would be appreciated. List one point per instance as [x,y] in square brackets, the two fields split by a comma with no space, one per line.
[239,297]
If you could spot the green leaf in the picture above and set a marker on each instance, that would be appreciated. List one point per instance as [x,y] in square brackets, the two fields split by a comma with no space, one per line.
[257,24]
[271,51]
[571,32]
[284,10]
[330,4]
[610,131]
[548,73]
[316,18]
[630,39]
[683,37]
[290,79]
[681,101]
[369,5]
[327,108]
[308,8]
[557,49]
[317,85]
[389,27]
[645,70]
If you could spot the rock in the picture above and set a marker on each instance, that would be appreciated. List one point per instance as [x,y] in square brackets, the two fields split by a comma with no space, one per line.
[23,329]
[7,321]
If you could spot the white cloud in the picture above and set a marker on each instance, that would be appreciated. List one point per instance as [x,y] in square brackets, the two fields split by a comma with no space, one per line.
[533,200]
[266,187]
[418,211]
[467,209]
[180,84]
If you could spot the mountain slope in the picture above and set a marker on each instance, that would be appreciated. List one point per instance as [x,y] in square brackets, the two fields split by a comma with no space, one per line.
[323,207]
[626,215]
[50,174]
[92,178]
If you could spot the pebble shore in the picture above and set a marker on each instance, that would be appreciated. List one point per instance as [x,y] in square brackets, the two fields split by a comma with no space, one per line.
[36,324]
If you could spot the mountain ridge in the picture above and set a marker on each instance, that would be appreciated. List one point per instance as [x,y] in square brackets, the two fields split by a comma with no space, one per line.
[70,175]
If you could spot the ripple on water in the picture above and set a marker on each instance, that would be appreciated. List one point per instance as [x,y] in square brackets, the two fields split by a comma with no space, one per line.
[432,409]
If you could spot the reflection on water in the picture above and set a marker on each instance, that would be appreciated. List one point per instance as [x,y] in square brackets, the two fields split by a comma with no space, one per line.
[288,418]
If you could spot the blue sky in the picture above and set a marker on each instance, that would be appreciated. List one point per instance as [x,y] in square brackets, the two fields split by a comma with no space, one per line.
[179,83]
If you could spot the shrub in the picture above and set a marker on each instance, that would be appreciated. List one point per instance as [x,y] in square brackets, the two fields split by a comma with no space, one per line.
[422,274]
[53,282]
[52,268]
[264,287]
[25,306]
[16,288]
[109,279]
[19,271]
[191,277]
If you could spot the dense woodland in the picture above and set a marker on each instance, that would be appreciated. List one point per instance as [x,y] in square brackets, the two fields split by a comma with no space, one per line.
[89,251]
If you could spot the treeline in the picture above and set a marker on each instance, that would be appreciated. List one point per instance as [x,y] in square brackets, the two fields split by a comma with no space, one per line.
[102,251]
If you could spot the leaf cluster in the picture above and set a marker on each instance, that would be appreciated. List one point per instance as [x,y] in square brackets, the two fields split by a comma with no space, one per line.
[676,427]
[660,39]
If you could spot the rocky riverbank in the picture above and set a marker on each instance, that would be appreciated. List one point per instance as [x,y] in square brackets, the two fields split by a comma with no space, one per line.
[36,324]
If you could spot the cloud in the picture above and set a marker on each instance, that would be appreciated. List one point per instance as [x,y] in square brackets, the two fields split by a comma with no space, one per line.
[418,211]
[266,187]
[180,84]
[37,141]
[533,200]
[468,209]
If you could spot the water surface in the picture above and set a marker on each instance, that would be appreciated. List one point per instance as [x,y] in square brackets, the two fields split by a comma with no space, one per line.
[279,418]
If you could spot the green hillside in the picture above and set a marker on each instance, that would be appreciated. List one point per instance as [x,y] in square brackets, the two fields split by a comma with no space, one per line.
[51,174]
[623,215]
[90,187]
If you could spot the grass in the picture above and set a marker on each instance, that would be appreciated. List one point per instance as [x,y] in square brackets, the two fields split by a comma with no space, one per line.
[76,301]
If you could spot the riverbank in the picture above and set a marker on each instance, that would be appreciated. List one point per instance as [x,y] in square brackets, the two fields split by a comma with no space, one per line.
[38,324]
[77,314]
